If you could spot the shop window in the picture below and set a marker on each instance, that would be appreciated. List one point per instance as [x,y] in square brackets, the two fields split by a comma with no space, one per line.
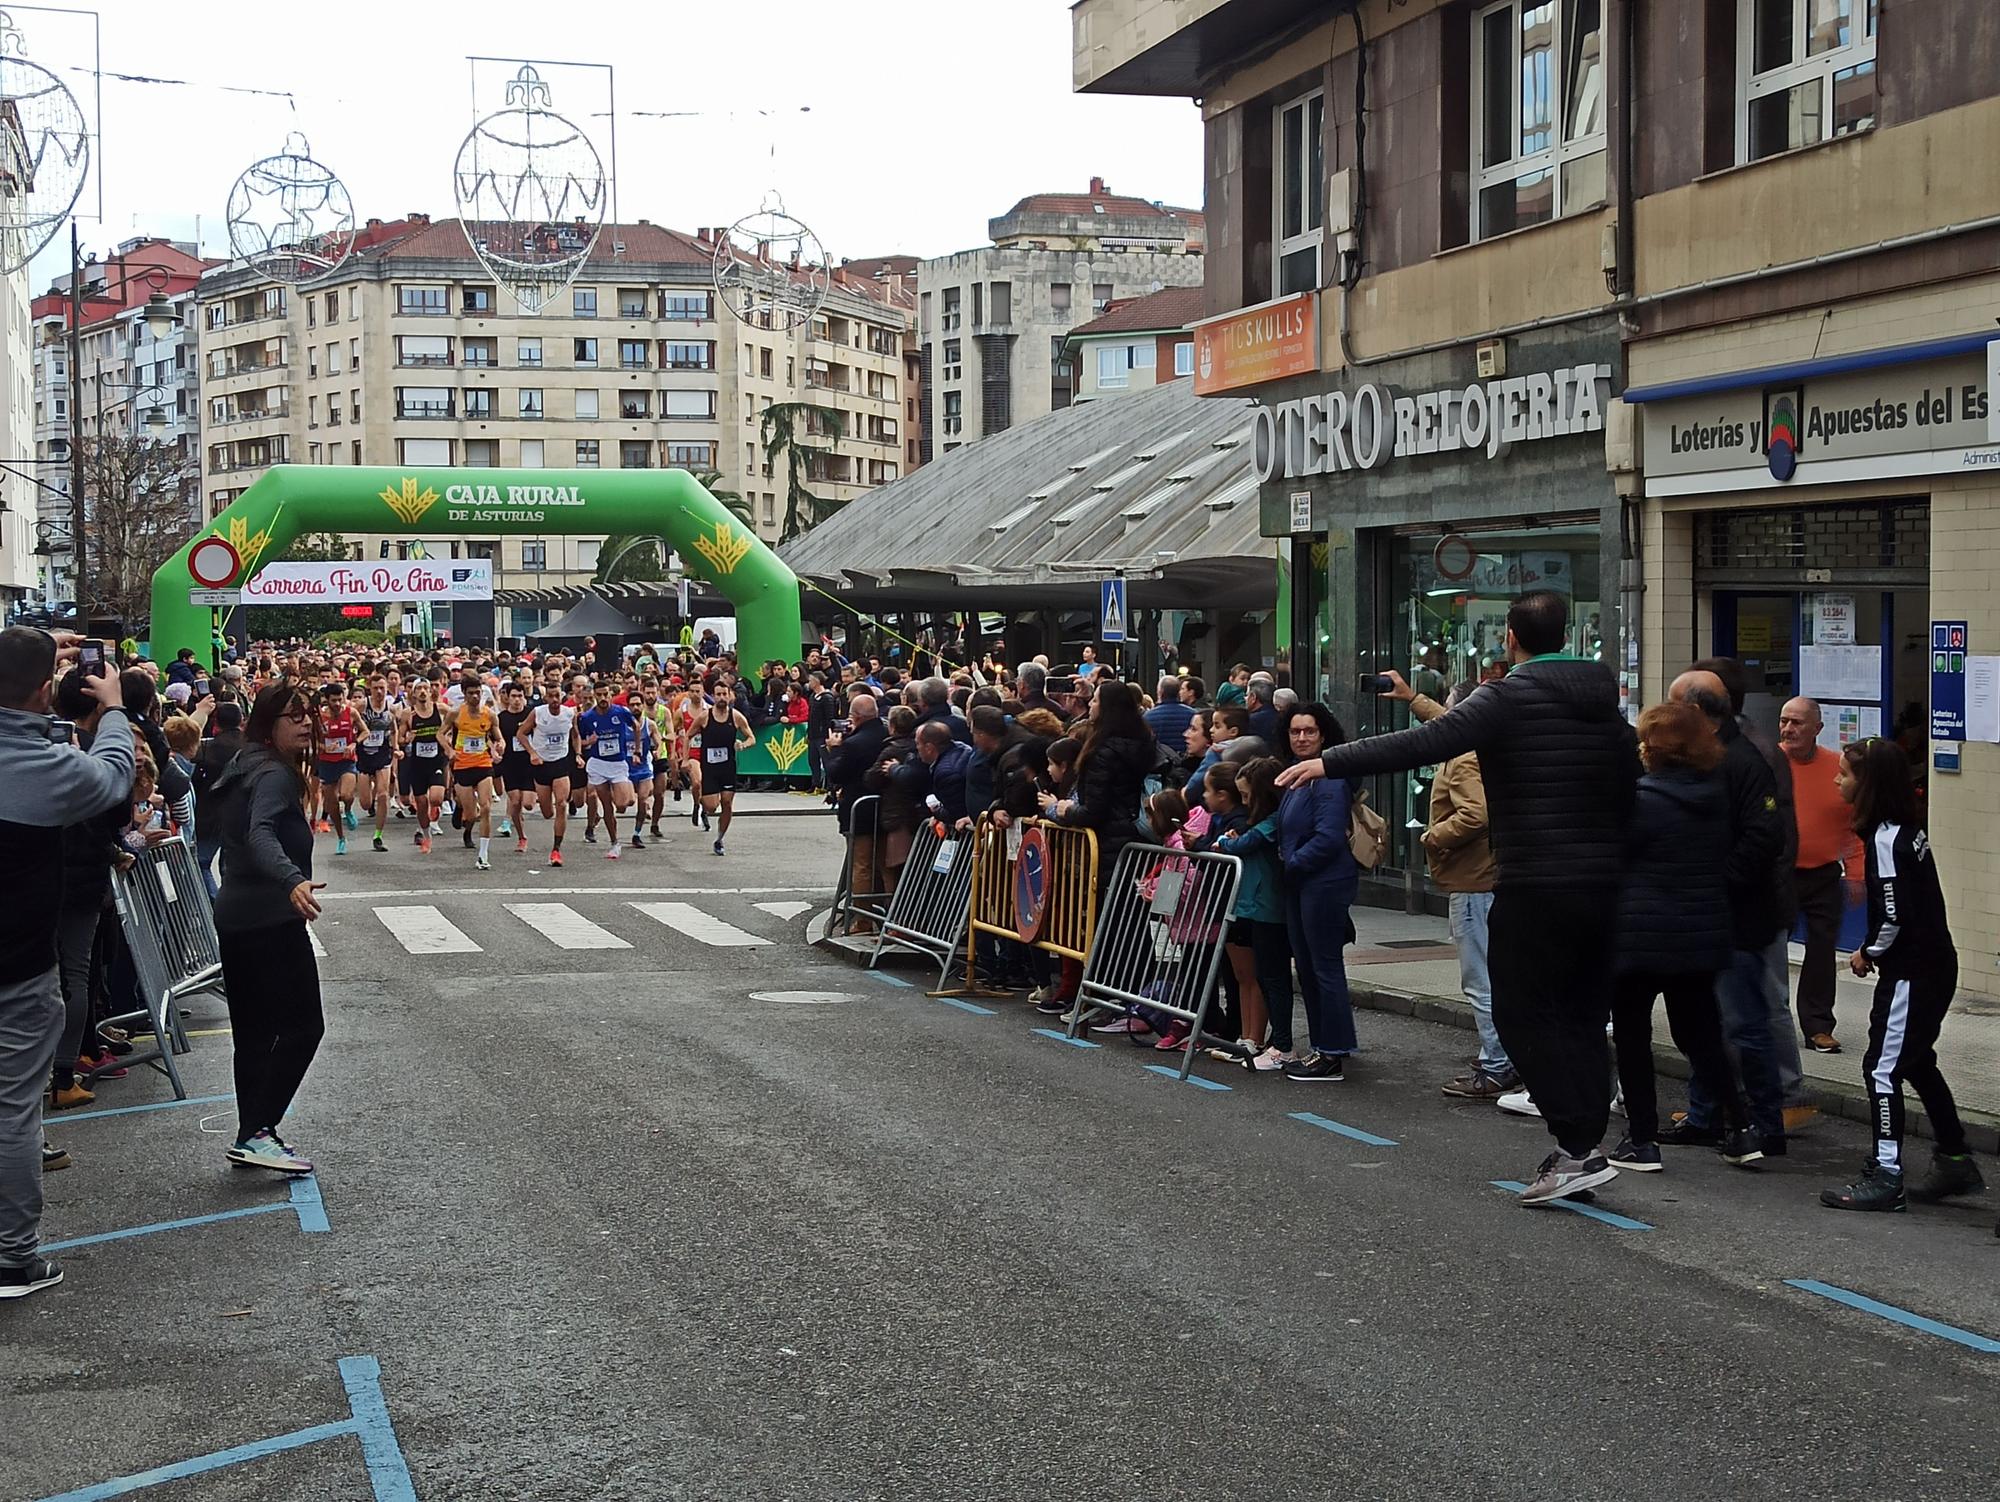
[1298,196]
[1537,112]
[1806,70]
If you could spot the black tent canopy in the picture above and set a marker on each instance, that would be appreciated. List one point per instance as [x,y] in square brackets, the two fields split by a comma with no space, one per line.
[590,616]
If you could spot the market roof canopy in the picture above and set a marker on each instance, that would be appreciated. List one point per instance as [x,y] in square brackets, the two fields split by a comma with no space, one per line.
[1157,486]
[591,617]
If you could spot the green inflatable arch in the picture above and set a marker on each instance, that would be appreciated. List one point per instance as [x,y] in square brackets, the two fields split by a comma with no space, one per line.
[291,499]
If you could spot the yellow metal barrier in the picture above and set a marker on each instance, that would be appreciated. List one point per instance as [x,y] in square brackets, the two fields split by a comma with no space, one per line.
[1070,915]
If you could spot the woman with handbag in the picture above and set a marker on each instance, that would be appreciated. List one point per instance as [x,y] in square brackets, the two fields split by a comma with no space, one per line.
[1321,881]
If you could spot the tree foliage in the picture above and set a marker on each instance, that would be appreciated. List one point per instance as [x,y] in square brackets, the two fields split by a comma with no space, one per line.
[804,432]
[630,557]
[143,496]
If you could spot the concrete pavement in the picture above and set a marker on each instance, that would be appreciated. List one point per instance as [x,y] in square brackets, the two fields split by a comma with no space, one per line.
[644,1222]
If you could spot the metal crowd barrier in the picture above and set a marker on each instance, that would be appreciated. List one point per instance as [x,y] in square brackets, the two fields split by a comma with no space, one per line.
[1070,911]
[850,906]
[928,912]
[169,926]
[1158,942]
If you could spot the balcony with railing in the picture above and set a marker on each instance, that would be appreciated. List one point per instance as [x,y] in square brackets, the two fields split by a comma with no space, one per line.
[425,409]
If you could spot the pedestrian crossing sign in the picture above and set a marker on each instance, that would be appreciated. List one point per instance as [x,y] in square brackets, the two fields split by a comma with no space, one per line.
[1111,610]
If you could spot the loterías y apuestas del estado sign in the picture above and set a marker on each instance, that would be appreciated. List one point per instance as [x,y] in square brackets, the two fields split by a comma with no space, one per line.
[1330,432]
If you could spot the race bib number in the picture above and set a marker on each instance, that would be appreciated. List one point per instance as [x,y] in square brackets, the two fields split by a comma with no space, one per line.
[608,748]
[715,755]
[427,748]
[374,738]
[472,745]
[335,748]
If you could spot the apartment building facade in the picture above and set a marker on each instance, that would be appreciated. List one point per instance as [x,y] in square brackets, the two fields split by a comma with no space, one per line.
[135,384]
[1665,304]
[22,571]
[993,321]
[1135,346]
[409,354]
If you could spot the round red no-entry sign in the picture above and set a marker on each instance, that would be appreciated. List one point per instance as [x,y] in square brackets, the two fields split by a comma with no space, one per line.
[1031,884]
[213,563]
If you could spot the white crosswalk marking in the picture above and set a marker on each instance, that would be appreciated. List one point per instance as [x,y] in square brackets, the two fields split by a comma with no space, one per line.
[786,910]
[686,918]
[564,927]
[425,930]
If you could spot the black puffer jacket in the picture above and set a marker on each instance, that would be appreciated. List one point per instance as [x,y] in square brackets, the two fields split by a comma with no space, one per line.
[1110,782]
[1673,914]
[1757,848]
[1558,760]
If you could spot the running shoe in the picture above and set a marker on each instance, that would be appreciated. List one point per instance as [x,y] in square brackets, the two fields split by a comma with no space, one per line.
[1878,1188]
[340,844]
[322,827]
[590,835]
[1640,1157]
[1053,1006]
[612,853]
[521,845]
[1173,1040]
[424,843]
[638,843]
[468,836]
[397,810]
[1270,1061]
[718,847]
[420,835]
[31,1277]
[54,1159]
[482,864]
[1122,1024]
[705,824]
[1319,1068]
[1947,1176]
[435,831]
[694,815]
[555,857]
[656,829]
[267,1150]
[1517,1103]
[350,818]
[379,847]
[506,830]
[1561,1176]
[1741,1148]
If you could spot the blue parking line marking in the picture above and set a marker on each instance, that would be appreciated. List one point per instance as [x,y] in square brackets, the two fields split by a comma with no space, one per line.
[889,980]
[158,1105]
[367,1420]
[1061,1037]
[166,1225]
[964,1006]
[1984,1344]
[1622,1222]
[1194,1079]
[202,1464]
[388,1472]
[1346,1131]
[306,1200]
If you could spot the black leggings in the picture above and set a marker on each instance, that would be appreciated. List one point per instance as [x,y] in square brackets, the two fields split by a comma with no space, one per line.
[274,1016]
[1903,1029]
[1696,1024]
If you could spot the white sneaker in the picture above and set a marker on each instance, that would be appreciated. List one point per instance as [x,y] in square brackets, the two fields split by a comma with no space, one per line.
[1125,1024]
[613,853]
[435,831]
[264,1150]
[1517,1103]
[1039,994]
[1269,1061]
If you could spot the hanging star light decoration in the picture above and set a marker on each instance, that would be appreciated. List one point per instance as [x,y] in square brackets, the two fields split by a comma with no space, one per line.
[290,216]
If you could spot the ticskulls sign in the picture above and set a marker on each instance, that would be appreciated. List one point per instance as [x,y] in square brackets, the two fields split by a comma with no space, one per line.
[1335,431]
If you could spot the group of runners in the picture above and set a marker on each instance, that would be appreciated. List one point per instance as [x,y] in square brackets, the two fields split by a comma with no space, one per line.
[494,738]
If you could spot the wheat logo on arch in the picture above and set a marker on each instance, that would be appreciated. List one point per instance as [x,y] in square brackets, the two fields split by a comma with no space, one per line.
[724,550]
[408,503]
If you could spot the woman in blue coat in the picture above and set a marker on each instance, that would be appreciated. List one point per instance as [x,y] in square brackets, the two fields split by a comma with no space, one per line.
[1321,880]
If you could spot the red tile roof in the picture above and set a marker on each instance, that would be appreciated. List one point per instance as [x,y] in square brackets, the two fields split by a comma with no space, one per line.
[444,240]
[1115,204]
[1158,312]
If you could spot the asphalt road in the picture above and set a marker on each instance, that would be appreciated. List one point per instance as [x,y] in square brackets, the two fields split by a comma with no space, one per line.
[614,1227]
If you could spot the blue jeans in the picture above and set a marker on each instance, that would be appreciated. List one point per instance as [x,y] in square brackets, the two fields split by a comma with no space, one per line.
[205,852]
[1469,913]
[1316,916]
[1740,992]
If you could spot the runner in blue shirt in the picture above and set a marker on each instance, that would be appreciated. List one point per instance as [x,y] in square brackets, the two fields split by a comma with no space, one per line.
[609,734]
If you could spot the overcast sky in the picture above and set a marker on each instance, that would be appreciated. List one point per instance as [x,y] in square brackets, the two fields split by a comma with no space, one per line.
[926,116]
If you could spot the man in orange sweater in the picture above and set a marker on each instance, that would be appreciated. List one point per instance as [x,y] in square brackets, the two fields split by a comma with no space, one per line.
[1828,851]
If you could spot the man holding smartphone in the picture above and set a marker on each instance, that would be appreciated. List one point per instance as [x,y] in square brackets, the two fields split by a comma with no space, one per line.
[44,785]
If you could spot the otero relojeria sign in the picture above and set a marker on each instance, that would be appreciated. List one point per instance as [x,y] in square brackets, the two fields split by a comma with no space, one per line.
[1334,431]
